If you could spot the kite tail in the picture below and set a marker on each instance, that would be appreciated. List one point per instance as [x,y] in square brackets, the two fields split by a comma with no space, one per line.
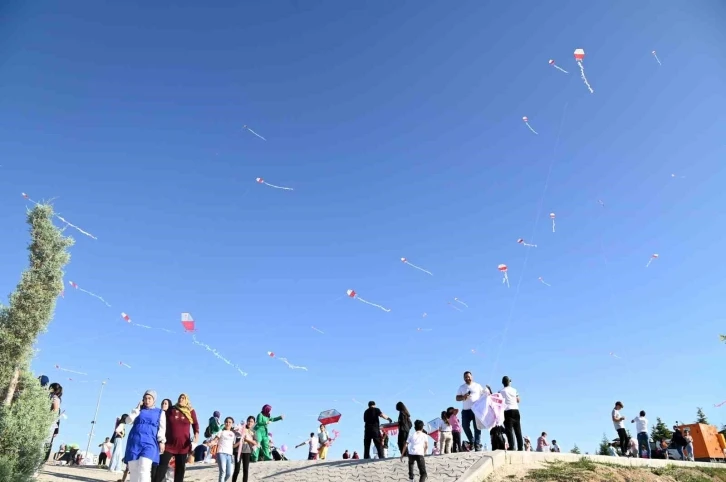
[657,59]
[419,268]
[584,79]
[291,366]
[530,128]
[459,301]
[76,227]
[279,187]
[561,69]
[319,331]
[95,296]
[255,133]
[372,304]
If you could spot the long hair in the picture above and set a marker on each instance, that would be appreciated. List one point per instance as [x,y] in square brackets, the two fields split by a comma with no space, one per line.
[402,408]
[445,417]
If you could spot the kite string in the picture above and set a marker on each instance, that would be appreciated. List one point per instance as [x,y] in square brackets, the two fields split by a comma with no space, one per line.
[217,354]
[534,230]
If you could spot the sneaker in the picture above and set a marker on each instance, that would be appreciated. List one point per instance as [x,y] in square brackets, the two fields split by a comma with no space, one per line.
[477,448]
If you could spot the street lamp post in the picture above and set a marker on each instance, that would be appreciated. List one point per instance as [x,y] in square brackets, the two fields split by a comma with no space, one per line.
[93,424]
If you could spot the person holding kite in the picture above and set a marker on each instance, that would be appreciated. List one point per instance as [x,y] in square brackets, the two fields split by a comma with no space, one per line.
[262,451]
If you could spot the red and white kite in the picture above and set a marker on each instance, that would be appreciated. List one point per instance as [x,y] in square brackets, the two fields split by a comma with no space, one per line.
[405,261]
[329,416]
[526,122]
[255,133]
[579,57]
[652,258]
[126,317]
[124,364]
[58,367]
[503,269]
[541,280]
[552,217]
[262,181]
[553,64]
[656,57]
[188,322]
[523,243]
[284,360]
[354,295]
[74,285]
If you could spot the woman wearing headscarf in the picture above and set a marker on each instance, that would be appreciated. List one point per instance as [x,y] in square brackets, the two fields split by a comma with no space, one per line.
[404,425]
[117,439]
[146,438]
[262,435]
[180,418]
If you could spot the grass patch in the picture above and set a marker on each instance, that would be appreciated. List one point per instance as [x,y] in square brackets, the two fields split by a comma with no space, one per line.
[580,471]
[690,474]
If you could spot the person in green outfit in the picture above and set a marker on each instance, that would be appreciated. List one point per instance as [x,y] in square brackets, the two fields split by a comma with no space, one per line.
[262,451]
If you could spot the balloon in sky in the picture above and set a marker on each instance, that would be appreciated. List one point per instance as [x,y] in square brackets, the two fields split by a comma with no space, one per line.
[526,122]
[553,64]
[354,295]
[503,269]
[579,57]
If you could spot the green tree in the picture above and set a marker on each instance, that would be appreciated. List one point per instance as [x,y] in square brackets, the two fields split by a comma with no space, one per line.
[700,416]
[25,418]
[575,450]
[660,431]
[604,448]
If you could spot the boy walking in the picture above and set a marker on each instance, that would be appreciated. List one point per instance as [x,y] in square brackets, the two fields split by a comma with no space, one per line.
[416,447]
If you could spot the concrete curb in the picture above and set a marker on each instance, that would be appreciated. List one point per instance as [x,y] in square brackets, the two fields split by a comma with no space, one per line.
[484,467]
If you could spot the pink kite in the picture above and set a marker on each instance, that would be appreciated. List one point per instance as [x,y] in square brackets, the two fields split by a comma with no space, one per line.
[354,295]
[503,269]
[526,122]
[523,243]
[553,64]
[405,261]
[188,322]
[579,57]
[262,181]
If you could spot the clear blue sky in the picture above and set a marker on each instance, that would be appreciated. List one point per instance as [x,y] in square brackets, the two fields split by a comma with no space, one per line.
[399,126]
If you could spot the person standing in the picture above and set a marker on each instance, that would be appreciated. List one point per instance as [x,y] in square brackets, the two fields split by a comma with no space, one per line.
[146,438]
[312,446]
[416,447]
[469,393]
[445,437]
[455,429]
[225,449]
[262,435]
[619,424]
[180,419]
[641,427]
[512,422]
[542,443]
[323,442]
[105,454]
[404,425]
[372,429]
[119,448]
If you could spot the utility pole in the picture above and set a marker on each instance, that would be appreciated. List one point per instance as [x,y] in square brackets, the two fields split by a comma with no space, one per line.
[93,424]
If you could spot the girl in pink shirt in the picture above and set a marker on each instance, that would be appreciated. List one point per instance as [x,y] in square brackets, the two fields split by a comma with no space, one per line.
[455,428]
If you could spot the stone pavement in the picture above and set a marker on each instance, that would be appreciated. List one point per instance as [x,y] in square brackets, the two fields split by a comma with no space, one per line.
[464,467]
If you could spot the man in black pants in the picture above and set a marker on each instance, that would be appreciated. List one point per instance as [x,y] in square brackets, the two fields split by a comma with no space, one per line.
[512,423]
[373,429]
[619,424]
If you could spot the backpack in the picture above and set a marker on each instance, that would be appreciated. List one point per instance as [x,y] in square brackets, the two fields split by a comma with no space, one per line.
[499,441]
[208,432]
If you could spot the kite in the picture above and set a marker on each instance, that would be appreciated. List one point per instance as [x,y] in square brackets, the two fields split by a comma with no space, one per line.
[552,217]
[188,322]
[615,356]
[255,133]
[521,241]
[127,319]
[503,269]
[329,416]
[454,307]
[88,293]
[579,57]
[526,122]
[656,57]
[423,329]
[27,198]
[654,257]
[262,181]
[217,354]
[553,64]
[319,331]
[124,364]
[459,301]
[405,261]
[424,315]
[58,367]
[679,177]
[284,360]
[474,352]
[601,203]
[354,295]
[541,280]
[720,404]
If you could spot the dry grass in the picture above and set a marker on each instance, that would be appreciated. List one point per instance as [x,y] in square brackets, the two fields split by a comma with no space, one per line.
[586,470]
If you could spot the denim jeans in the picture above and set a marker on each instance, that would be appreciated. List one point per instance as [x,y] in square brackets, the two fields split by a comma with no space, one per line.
[643,440]
[224,461]
[467,418]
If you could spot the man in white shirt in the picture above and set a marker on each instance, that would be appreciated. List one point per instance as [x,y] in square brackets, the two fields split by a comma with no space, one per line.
[469,393]
[641,427]
[512,424]
[619,424]
[313,445]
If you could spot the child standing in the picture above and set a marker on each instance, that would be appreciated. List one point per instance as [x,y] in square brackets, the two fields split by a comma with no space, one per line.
[313,445]
[445,436]
[225,450]
[416,447]
[455,429]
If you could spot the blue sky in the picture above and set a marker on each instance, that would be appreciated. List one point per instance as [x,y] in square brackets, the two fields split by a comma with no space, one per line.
[398,124]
